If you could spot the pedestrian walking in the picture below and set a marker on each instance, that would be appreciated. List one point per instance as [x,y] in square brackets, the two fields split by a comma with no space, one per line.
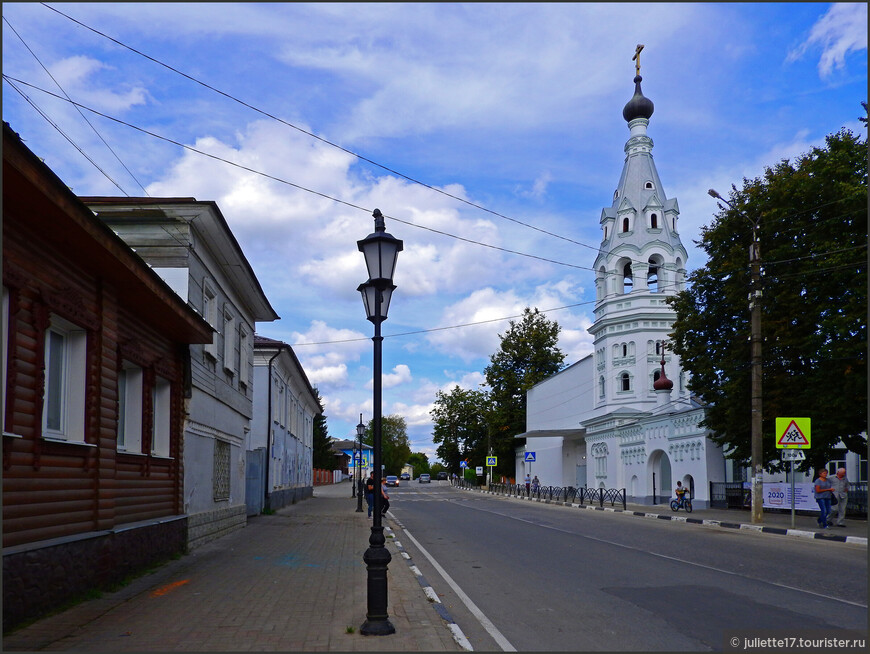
[535,484]
[841,492]
[370,492]
[528,484]
[822,491]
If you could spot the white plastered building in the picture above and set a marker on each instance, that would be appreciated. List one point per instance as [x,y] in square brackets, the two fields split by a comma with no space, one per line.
[623,417]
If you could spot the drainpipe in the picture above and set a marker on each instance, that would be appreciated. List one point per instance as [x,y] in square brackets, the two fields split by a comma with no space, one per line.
[269,432]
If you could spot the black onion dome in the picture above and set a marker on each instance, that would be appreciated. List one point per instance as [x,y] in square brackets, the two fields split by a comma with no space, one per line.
[639,106]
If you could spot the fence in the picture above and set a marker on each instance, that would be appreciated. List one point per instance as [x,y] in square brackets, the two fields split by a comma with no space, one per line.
[733,495]
[566,494]
[323,477]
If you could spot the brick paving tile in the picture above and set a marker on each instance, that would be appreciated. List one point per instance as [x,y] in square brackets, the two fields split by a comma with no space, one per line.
[291,581]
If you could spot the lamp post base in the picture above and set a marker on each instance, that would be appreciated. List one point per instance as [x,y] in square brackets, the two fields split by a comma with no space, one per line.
[377,558]
[377,628]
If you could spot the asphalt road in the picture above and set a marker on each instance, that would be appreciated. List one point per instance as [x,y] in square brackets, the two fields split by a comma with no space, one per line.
[536,577]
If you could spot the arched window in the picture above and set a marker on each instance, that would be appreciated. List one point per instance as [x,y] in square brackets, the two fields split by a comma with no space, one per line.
[656,376]
[658,347]
[625,381]
[625,224]
[605,233]
[624,350]
[601,386]
[648,185]
[652,278]
[627,283]
[654,221]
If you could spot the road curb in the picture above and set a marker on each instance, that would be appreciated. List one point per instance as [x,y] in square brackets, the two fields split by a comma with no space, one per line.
[779,531]
[430,593]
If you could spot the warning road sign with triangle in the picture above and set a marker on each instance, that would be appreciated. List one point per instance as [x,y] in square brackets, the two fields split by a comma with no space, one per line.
[792,433]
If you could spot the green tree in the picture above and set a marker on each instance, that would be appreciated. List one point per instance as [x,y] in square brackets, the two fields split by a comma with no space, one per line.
[395,448]
[812,216]
[324,457]
[529,353]
[420,462]
[460,426]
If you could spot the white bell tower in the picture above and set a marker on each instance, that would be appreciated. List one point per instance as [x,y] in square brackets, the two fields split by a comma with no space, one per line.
[641,261]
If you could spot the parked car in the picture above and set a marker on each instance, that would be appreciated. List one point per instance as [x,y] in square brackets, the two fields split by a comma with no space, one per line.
[406,476]
[392,480]
[424,478]
[442,475]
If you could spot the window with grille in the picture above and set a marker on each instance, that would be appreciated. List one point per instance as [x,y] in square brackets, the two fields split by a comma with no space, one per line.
[221,470]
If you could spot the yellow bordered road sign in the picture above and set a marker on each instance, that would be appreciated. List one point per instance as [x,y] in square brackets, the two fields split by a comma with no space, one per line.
[793,433]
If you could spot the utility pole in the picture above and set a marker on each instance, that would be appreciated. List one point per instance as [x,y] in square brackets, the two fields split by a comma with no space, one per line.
[755,294]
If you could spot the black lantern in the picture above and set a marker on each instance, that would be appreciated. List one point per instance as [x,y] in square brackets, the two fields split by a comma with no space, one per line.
[381,251]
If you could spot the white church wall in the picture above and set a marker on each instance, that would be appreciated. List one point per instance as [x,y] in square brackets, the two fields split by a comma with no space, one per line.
[561,401]
[548,461]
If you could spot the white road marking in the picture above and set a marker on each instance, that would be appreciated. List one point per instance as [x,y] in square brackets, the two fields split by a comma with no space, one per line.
[664,556]
[485,622]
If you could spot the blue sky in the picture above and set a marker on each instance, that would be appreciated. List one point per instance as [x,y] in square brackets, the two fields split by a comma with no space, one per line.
[509,114]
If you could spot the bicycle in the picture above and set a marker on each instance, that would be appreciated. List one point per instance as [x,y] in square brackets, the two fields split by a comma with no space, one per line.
[684,502]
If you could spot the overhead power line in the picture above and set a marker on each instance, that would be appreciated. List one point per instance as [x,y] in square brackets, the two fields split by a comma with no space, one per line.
[315,136]
[10,79]
[63,134]
[100,136]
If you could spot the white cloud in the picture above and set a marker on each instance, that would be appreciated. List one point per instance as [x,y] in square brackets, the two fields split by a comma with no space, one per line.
[76,75]
[843,29]
[492,310]
[401,375]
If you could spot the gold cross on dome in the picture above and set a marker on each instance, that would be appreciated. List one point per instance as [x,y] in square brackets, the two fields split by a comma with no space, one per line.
[636,58]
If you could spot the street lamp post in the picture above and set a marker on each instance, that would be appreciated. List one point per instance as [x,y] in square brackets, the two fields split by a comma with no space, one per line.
[353,473]
[757,457]
[381,250]
[360,431]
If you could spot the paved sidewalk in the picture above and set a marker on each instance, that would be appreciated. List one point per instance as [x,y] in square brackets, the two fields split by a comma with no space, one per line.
[292,581]
[805,526]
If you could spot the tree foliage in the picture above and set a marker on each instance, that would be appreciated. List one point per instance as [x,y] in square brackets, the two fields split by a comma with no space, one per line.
[528,354]
[460,426]
[420,462]
[324,457]
[395,448]
[812,217]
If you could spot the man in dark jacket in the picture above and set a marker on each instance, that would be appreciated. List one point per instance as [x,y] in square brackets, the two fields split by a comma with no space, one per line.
[370,492]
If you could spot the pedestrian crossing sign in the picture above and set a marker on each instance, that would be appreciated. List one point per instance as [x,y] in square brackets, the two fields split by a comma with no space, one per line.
[793,433]
[530,457]
[491,461]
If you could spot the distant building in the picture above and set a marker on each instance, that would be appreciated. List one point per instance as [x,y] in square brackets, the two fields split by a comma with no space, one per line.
[280,446]
[189,244]
[95,370]
[352,457]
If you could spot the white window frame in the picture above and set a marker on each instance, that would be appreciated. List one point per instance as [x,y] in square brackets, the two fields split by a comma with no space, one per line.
[244,354]
[65,381]
[209,312]
[130,409]
[229,341]
[161,395]
[4,335]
